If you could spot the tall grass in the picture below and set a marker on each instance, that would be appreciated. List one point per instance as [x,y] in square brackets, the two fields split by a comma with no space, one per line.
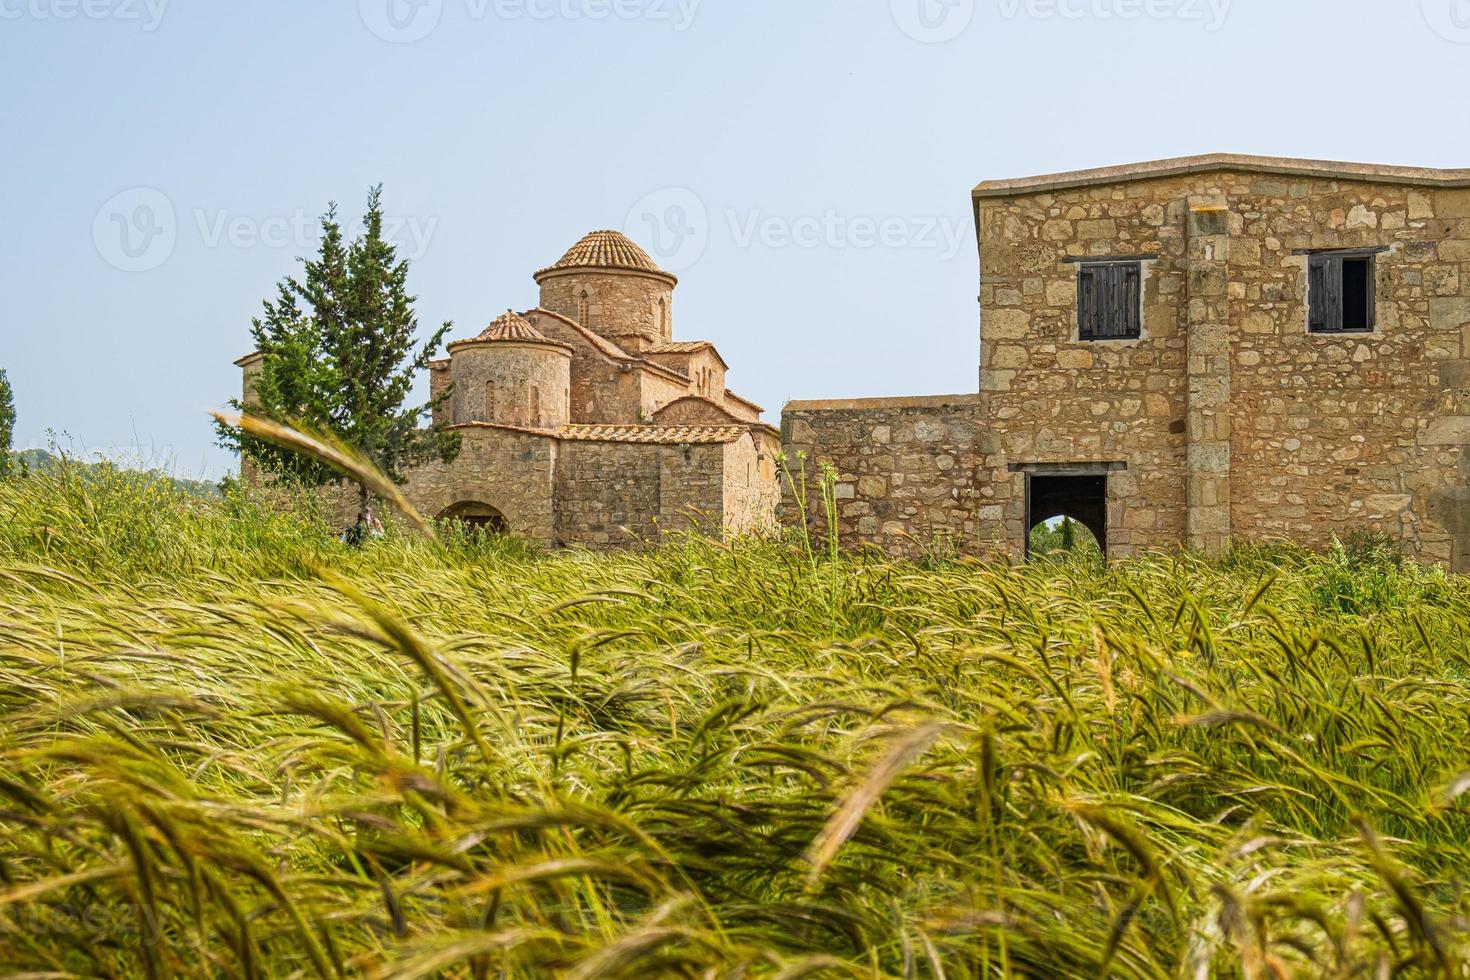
[231,747]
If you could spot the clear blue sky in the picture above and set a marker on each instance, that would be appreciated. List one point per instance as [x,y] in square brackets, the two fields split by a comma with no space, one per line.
[807,162]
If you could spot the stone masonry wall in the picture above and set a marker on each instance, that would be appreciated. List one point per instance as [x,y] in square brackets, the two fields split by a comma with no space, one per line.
[1052,398]
[908,470]
[621,494]
[1226,420]
[633,311]
[1335,432]
[509,471]
[751,491]
[527,385]
[602,388]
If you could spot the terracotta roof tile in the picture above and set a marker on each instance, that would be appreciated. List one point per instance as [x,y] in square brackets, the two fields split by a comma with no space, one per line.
[680,347]
[667,435]
[605,250]
[653,435]
[510,326]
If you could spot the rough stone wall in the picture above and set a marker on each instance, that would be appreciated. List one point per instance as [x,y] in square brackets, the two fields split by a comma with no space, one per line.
[440,378]
[632,310]
[1226,420]
[703,368]
[602,389]
[526,385]
[655,390]
[1335,432]
[908,471]
[1053,398]
[620,494]
[751,490]
[509,471]
[694,411]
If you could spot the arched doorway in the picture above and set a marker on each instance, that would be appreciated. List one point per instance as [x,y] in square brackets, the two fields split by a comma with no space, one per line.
[1052,501]
[476,517]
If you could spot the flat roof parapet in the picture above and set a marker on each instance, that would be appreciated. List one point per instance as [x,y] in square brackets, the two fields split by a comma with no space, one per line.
[869,404]
[1214,162]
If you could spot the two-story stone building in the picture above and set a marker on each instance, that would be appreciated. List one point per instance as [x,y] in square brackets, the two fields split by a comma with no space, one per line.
[1188,353]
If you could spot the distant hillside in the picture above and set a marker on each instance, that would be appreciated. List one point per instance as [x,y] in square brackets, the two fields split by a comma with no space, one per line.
[41,461]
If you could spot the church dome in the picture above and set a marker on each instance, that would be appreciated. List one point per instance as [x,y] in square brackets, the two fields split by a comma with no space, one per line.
[508,328]
[605,250]
[511,326]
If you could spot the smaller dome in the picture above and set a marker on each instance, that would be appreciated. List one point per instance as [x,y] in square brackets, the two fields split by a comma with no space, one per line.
[605,250]
[511,326]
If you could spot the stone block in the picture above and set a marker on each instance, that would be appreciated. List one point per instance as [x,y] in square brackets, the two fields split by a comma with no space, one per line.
[1449,313]
[1452,203]
[1005,324]
[1451,430]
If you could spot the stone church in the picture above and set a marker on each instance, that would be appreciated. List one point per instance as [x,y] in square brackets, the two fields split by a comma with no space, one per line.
[1188,352]
[584,423]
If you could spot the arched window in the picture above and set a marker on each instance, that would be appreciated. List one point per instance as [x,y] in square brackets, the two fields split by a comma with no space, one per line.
[584,308]
[663,317]
[489,401]
[535,407]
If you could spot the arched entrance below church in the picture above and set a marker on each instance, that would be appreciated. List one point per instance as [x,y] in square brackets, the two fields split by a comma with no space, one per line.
[478,517]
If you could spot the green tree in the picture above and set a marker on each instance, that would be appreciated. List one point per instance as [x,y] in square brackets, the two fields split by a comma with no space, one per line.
[7,423]
[338,356]
[1069,534]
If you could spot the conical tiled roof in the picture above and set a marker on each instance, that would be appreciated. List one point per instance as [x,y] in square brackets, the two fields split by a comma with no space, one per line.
[606,250]
[511,326]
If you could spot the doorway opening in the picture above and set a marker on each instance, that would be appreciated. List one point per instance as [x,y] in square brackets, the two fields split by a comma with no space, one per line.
[1072,506]
[477,518]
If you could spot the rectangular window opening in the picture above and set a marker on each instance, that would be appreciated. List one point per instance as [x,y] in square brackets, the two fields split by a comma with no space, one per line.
[1110,301]
[1341,293]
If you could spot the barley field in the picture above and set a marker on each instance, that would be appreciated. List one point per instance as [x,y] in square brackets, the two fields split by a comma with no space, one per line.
[232,747]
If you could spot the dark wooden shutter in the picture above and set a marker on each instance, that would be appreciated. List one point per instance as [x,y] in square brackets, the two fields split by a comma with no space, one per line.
[1087,303]
[1324,286]
[1132,301]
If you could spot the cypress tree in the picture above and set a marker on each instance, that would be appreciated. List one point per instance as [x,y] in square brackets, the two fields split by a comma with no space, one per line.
[338,355]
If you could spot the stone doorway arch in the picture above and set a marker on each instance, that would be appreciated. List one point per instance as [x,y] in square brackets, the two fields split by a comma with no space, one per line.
[1079,492]
[475,516]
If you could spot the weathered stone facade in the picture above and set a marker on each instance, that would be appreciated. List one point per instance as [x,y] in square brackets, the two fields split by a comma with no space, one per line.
[585,424]
[1226,418]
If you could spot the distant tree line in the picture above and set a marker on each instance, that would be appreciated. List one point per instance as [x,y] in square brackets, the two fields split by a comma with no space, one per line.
[7,424]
